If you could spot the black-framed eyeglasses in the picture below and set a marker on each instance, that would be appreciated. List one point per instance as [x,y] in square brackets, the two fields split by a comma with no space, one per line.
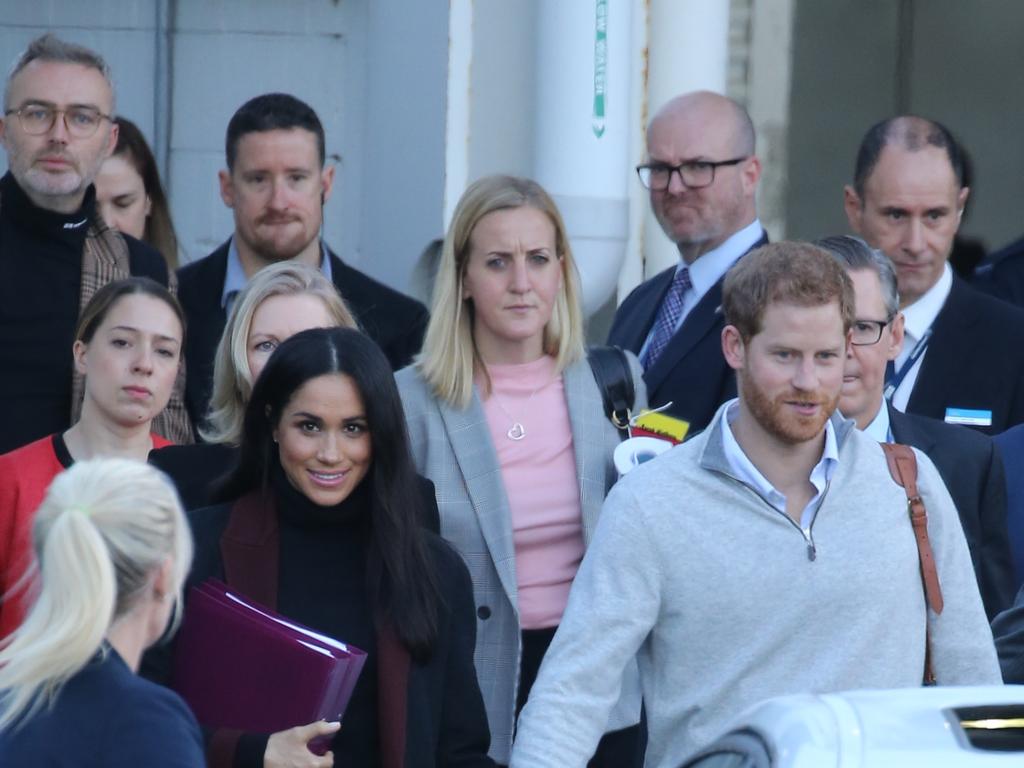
[864,333]
[80,121]
[693,173]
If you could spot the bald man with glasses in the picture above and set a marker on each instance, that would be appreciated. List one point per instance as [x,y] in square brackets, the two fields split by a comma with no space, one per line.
[702,174]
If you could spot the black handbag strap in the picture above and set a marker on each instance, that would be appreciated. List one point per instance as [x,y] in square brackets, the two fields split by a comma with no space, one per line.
[615,380]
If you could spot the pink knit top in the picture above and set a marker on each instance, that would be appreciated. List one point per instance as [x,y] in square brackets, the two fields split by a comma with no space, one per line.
[539,472]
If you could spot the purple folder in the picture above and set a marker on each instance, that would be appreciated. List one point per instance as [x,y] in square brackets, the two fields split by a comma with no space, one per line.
[240,665]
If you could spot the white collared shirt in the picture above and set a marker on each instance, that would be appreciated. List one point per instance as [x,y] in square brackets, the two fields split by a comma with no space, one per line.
[709,268]
[918,318]
[745,470]
[879,428]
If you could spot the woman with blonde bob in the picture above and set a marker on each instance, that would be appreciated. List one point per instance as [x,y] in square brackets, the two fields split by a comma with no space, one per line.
[507,419]
[112,548]
[280,300]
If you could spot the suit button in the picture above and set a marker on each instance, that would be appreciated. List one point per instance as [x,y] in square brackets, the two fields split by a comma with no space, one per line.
[483,613]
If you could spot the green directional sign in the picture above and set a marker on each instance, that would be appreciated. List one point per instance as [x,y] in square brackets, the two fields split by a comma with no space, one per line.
[600,65]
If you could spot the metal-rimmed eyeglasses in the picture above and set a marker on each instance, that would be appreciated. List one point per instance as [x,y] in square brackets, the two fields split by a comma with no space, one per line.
[80,121]
[864,333]
[693,173]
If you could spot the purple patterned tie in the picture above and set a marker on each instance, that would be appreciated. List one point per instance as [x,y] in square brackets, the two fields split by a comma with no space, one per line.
[665,323]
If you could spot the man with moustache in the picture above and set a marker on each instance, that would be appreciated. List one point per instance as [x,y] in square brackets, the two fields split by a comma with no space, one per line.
[55,249]
[967,461]
[702,173]
[276,184]
[962,361]
[772,554]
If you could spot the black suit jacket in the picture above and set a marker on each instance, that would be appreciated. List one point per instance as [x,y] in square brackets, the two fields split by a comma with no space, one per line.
[1002,274]
[975,360]
[1008,632]
[1011,449]
[691,372]
[392,319]
[972,470]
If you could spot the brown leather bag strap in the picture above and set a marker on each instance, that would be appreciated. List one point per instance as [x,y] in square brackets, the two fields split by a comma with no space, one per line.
[903,468]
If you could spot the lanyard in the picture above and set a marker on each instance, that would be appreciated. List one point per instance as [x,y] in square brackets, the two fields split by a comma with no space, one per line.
[901,374]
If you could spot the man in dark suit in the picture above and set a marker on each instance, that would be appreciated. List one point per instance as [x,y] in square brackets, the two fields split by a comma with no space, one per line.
[276,184]
[963,361]
[967,461]
[1001,274]
[702,174]
[1011,450]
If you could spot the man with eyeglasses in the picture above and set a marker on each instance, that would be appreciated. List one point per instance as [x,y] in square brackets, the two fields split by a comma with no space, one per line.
[702,174]
[967,461]
[55,249]
[962,361]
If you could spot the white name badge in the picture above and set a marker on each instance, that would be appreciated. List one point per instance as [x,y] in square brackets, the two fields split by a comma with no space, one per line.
[969,417]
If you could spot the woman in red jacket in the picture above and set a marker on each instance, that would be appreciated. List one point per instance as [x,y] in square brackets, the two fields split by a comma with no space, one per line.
[128,346]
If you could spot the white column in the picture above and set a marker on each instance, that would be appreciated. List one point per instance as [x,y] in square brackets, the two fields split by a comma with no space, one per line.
[582,131]
[688,50]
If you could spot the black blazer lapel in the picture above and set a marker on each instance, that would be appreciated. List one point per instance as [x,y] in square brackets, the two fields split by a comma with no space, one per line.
[952,333]
[905,431]
[702,320]
[639,318]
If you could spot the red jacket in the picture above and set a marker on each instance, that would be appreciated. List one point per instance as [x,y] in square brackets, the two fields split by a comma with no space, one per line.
[25,475]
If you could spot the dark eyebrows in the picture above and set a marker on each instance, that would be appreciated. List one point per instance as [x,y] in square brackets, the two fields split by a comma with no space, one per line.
[160,336]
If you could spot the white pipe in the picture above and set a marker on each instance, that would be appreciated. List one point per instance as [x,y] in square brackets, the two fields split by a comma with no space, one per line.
[688,50]
[458,106]
[582,131]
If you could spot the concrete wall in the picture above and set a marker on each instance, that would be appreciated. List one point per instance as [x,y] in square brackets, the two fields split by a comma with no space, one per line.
[857,61]
[374,70]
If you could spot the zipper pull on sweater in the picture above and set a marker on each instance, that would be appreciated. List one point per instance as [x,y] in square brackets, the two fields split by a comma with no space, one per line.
[812,552]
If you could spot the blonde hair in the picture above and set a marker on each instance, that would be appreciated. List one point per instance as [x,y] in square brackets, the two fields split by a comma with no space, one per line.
[232,378]
[450,357]
[104,528]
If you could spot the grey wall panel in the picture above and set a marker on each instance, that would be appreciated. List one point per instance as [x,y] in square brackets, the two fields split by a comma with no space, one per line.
[274,17]
[403,147]
[375,71]
[844,65]
[967,70]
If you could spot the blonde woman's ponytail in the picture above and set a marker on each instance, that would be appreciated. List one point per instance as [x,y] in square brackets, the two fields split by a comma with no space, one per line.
[103,529]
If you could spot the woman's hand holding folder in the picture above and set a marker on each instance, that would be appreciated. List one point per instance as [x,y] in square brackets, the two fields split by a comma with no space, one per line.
[289,749]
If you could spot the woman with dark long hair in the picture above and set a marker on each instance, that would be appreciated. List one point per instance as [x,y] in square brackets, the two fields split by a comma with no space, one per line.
[130,195]
[327,511]
[280,300]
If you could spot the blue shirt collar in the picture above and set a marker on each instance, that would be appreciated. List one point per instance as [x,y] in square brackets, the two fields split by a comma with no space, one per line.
[235,279]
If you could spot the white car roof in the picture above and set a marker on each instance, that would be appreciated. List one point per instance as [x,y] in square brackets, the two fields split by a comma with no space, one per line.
[905,728]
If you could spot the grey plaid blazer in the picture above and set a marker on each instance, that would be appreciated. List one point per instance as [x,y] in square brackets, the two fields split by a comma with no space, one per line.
[453,448]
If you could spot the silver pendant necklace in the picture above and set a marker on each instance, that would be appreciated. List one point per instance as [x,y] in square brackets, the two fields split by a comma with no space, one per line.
[517,431]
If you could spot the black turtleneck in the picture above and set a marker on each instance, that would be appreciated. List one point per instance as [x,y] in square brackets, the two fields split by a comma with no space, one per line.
[40,278]
[322,584]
